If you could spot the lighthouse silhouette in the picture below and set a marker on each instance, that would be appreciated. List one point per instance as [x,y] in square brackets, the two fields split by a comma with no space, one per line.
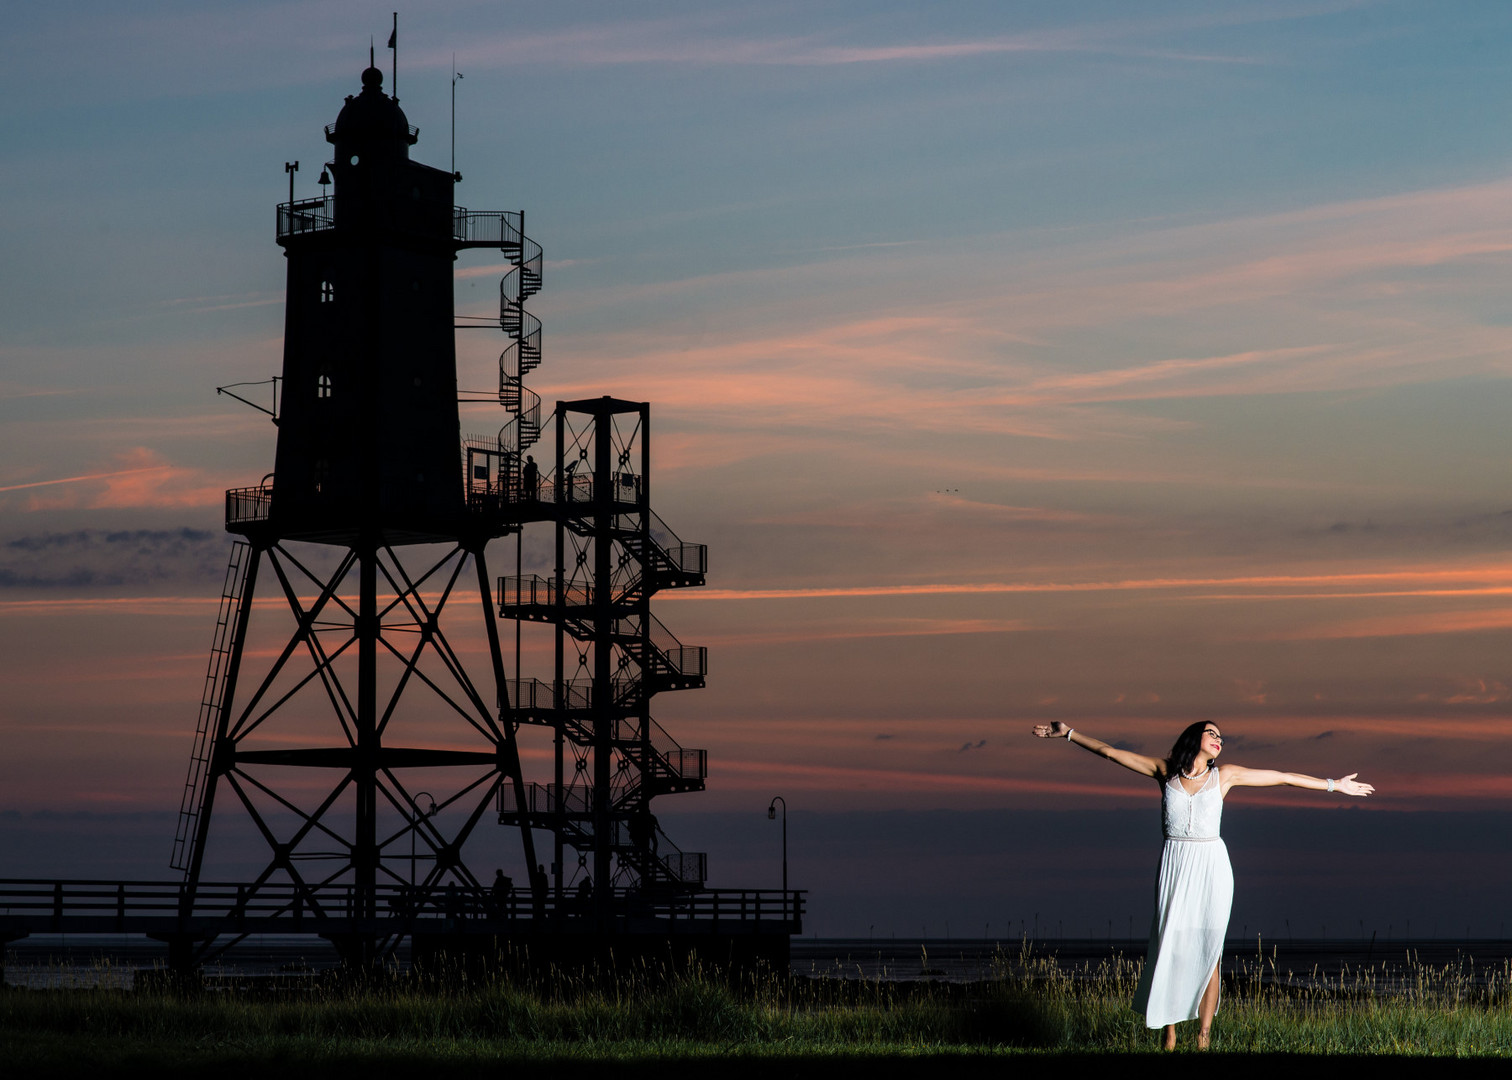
[368,433]
[346,715]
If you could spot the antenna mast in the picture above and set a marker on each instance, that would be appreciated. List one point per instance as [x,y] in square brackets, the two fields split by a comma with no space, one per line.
[455,76]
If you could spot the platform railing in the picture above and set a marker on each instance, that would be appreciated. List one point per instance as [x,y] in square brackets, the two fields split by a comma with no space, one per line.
[532,590]
[688,867]
[682,556]
[496,228]
[249,504]
[529,694]
[306,215]
[686,660]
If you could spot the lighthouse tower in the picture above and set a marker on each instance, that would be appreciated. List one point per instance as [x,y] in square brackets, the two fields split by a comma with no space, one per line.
[345,713]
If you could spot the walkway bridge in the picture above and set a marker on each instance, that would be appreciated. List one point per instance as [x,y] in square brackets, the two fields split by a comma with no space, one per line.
[199,924]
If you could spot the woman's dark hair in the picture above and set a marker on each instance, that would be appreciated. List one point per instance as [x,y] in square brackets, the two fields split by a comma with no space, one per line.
[1188,745]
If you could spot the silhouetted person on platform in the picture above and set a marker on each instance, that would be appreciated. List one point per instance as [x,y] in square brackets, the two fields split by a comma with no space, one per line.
[502,893]
[532,479]
[643,830]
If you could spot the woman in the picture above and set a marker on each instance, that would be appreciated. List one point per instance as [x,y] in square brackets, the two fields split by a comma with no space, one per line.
[1196,888]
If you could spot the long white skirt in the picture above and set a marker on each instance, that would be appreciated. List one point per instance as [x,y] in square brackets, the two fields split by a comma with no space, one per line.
[1192,903]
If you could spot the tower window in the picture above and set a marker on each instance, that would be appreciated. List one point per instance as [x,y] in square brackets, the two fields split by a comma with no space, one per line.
[323,386]
[327,292]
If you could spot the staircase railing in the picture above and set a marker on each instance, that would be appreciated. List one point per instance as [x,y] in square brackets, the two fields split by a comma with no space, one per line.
[211,702]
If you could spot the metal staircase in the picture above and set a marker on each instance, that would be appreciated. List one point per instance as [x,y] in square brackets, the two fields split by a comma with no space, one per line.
[612,759]
[495,464]
[520,357]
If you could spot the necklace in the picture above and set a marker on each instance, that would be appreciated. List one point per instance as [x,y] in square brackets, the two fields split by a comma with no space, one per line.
[1200,775]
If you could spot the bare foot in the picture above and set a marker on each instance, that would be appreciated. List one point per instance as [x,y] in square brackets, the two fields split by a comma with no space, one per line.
[1202,1040]
[1168,1042]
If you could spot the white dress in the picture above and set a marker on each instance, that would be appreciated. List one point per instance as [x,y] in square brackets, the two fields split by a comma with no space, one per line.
[1192,902]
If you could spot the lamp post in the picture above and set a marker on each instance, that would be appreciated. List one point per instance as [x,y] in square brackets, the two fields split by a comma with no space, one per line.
[772,816]
[415,825]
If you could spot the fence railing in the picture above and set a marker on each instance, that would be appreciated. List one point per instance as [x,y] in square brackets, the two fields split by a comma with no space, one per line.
[87,906]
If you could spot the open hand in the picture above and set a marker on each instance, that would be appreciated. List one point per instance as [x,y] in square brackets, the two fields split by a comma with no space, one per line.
[1350,786]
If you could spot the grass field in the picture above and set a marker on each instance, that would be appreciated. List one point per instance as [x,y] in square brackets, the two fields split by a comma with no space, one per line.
[1034,1015]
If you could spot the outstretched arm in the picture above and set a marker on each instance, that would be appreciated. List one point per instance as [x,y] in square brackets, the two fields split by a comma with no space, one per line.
[1145,766]
[1239,776]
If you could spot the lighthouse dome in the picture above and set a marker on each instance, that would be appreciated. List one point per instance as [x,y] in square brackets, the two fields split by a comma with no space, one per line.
[372,123]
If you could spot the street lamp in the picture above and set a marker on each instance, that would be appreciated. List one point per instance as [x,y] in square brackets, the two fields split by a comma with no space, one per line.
[415,825]
[772,816]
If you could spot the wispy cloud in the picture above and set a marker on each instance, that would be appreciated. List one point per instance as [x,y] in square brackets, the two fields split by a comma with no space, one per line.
[1415,624]
[230,302]
[86,477]
[702,40]
[1335,298]
[838,778]
[16,394]
[1258,582]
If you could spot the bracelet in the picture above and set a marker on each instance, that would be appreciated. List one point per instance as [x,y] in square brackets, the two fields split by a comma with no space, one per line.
[1330,787]
[1072,731]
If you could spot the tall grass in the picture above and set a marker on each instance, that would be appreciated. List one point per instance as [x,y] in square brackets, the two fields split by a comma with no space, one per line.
[1030,1002]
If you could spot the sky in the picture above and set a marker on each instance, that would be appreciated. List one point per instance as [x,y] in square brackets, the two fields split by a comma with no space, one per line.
[1124,365]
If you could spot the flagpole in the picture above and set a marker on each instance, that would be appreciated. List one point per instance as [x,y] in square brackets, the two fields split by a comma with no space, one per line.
[394,45]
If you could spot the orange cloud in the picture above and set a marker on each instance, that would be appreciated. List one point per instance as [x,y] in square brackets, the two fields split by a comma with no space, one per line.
[113,605]
[146,480]
[901,627]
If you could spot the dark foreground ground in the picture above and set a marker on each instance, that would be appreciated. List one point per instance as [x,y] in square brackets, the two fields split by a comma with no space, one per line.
[899,1010]
[30,1057]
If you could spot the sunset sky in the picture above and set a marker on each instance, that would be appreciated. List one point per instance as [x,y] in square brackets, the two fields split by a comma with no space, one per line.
[1119,364]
